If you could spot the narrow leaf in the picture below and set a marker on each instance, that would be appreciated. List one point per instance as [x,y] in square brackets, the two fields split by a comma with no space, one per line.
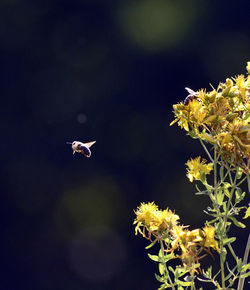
[245,275]
[228,241]
[161,269]
[154,257]
[182,283]
[220,197]
[151,245]
[237,223]
[221,172]
[247,214]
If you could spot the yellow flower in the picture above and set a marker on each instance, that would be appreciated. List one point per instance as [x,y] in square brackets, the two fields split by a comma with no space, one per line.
[195,235]
[209,241]
[154,220]
[168,220]
[196,168]
[197,113]
[242,85]
[181,116]
[146,213]
[179,235]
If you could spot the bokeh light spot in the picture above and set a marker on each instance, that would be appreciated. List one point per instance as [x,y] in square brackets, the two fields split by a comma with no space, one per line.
[97,253]
[81,118]
[156,25]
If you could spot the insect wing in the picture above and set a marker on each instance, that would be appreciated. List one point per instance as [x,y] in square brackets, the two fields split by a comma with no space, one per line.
[191,92]
[89,144]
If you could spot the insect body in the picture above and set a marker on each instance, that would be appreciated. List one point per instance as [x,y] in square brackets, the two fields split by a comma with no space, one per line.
[192,95]
[82,148]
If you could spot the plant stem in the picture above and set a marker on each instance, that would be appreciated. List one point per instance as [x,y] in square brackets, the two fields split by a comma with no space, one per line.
[205,148]
[241,280]
[248,182]
[232,252]
[165,266]
[219,213]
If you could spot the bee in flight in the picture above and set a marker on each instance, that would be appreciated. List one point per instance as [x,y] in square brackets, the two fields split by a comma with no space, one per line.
[192,95]
[80,147]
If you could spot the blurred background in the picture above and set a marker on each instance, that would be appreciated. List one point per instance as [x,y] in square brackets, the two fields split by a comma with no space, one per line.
[108,71]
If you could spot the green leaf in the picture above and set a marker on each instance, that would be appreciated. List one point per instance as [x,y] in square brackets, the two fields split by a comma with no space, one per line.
[239,173]
[247,214]
[154,257]
[151,245]
[203,178]
[219,227]
[239,263]
[231,273]
[193,134]
[221,172]
[160,279]
[245,275]
[182,283]
[227,185]
[161,255]
[237,223]
[211,209]
[245,267]
[161,269]
[239,195]
[169,257]
[204,192]
[226,192]
[223,254]
[171,269]
[220,197]
[224,206]
[229,241]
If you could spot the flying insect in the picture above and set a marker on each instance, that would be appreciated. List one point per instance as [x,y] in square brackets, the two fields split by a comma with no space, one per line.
[81,147]
[192,95]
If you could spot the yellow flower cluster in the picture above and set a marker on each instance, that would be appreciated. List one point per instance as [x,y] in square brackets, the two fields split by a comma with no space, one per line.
[164,225]
[197,168]
[156,221]
[220,117]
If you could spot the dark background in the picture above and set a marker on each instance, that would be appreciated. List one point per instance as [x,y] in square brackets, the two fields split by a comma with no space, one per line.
[108,71]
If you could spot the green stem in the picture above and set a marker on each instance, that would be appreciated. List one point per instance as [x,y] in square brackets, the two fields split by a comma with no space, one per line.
[219,213]
[232,252]
[248,182]
[165,266]
[242,180]
[241,280]
[205,148]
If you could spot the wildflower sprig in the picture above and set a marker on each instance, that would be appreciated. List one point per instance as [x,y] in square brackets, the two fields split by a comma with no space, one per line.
[176,242]
[220,120]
